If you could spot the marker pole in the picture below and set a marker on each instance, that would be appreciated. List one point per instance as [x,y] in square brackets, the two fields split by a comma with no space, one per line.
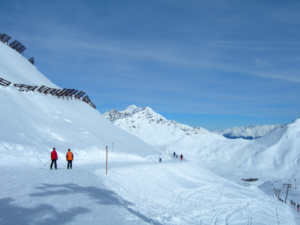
[106,157]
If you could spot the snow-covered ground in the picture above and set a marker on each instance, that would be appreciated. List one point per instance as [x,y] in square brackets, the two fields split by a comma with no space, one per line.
[204,188]
[132,193]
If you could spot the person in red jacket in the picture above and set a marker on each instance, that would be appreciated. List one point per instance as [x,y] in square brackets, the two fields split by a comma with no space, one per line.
[69,158]
[53,158]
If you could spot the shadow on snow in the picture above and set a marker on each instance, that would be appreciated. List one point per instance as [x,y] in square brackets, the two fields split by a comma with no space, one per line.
[12,214]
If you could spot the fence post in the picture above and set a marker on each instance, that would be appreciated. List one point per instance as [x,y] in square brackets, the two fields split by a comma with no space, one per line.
[106,157]
[287,191]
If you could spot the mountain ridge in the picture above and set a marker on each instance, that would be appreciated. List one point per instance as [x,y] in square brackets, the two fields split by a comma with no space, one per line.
[149,125]
[248,132]
[133,117]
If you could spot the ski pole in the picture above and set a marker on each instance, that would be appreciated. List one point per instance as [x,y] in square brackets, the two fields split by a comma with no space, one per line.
[47,162]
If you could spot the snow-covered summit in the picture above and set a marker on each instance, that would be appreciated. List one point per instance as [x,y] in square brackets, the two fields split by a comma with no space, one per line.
[248,132]
[150,126]
[131,110]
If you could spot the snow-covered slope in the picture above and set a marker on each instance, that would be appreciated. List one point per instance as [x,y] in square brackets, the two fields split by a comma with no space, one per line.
[275,154]
[151,126]
[18,70]
[137,189]
[33,123]
[211,149]
[249,132]
[188,194]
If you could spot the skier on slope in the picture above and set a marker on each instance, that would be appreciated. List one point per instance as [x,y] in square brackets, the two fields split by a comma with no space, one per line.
[53,158]
[174,154]
[181,157]
[69,158]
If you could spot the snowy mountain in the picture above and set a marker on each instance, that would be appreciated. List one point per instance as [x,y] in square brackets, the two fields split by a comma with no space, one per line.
[151,126]
[33,123]
[209,148]
[276,154]
[204,188]
[249,132]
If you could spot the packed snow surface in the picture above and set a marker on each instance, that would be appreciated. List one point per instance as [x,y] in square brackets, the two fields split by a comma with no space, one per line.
[132,193]
[206,187]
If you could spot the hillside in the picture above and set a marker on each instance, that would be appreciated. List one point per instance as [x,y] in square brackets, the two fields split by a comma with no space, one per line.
[272,153]
[33,123]
[275,155]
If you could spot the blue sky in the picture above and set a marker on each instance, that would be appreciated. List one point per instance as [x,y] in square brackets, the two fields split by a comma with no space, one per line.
[214,64]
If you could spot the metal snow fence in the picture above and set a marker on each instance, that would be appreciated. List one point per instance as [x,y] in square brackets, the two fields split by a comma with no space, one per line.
[24,87]
[4,83]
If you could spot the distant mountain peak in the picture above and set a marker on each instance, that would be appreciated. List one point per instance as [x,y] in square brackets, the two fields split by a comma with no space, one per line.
[131,108]
[150,126]
[248,132]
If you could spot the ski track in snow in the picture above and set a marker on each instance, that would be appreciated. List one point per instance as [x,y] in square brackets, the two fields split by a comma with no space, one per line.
[163,194]
[33,195]
[131,193]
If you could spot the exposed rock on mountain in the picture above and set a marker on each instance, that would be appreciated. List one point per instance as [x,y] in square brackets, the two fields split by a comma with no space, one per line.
[151,126]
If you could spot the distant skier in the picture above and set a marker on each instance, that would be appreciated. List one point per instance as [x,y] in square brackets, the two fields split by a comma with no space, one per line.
[181,157]
[298,207]
[159,158]
[174,154]
[53,158]
[69,158]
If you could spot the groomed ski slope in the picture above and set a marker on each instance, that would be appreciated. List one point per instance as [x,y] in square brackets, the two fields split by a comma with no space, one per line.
[132,193]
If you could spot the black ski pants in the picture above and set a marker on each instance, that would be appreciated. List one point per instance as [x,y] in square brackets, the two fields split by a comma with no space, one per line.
[55,165]
[69,164]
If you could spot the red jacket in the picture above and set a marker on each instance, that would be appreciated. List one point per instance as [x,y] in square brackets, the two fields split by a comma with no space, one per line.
[53,155]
